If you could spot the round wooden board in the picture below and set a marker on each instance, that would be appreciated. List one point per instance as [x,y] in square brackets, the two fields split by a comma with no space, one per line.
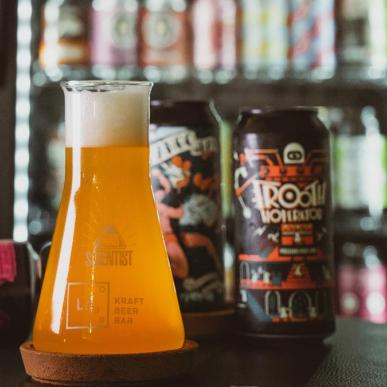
[205,325]
[93,370]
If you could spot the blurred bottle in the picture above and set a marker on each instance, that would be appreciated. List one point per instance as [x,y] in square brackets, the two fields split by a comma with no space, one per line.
[113,42]
[312,37]
[360,169]
[362,276]
[264,37]
[64,40]
[165,40]
[215,39]
[362,37]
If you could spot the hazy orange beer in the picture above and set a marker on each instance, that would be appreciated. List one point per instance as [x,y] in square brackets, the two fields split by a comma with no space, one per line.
[108,287]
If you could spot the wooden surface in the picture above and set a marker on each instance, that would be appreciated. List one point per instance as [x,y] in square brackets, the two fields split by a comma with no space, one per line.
[356,356]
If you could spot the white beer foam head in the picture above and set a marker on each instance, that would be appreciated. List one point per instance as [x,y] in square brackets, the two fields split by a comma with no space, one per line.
[101,113]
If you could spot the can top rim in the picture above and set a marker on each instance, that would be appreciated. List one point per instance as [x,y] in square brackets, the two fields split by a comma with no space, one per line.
[270,110]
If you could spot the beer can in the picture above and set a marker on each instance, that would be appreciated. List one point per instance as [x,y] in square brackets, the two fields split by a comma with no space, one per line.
[215,39]
[312,36]
[165,40]
[114,33]
[184,158]
[19,276]
[205,34]
[283,235]
[229,14]
[264,37]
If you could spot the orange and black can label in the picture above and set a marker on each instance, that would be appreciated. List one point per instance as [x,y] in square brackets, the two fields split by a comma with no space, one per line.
[186,186]
[283,233]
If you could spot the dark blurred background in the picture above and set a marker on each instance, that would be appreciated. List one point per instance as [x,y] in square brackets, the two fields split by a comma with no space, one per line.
[326,53]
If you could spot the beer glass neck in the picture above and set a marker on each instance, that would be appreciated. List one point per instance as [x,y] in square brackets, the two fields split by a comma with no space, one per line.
[106,113]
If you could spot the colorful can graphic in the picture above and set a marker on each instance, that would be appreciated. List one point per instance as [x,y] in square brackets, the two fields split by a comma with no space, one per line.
[114,33]
[184,157]
[282,228]
[312,35]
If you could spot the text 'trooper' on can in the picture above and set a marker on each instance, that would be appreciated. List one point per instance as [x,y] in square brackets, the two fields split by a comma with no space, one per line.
[184,157]
[283,233]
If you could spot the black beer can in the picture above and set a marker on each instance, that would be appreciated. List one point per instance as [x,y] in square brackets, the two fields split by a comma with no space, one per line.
[283,232]
[185,172]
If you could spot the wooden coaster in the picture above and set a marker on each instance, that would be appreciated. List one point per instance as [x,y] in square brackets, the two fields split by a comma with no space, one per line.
[204,325]
[93,370]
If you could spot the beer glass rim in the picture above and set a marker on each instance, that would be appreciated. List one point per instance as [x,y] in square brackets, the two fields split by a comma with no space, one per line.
[101,85]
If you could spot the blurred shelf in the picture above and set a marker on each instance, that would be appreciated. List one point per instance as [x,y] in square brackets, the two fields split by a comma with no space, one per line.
[45,78]
[347,76]
[346,88]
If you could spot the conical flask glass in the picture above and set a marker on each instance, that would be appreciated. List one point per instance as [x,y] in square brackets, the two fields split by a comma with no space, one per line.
[108,287]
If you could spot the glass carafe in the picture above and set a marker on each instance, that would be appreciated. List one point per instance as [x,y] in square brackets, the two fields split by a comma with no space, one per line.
[108,287]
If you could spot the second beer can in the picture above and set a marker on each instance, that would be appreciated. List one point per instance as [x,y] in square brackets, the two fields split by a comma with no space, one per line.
[283,232]
[184,158]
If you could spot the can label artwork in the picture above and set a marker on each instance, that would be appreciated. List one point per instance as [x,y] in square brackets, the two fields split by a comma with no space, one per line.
[186,185]
[282,211]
